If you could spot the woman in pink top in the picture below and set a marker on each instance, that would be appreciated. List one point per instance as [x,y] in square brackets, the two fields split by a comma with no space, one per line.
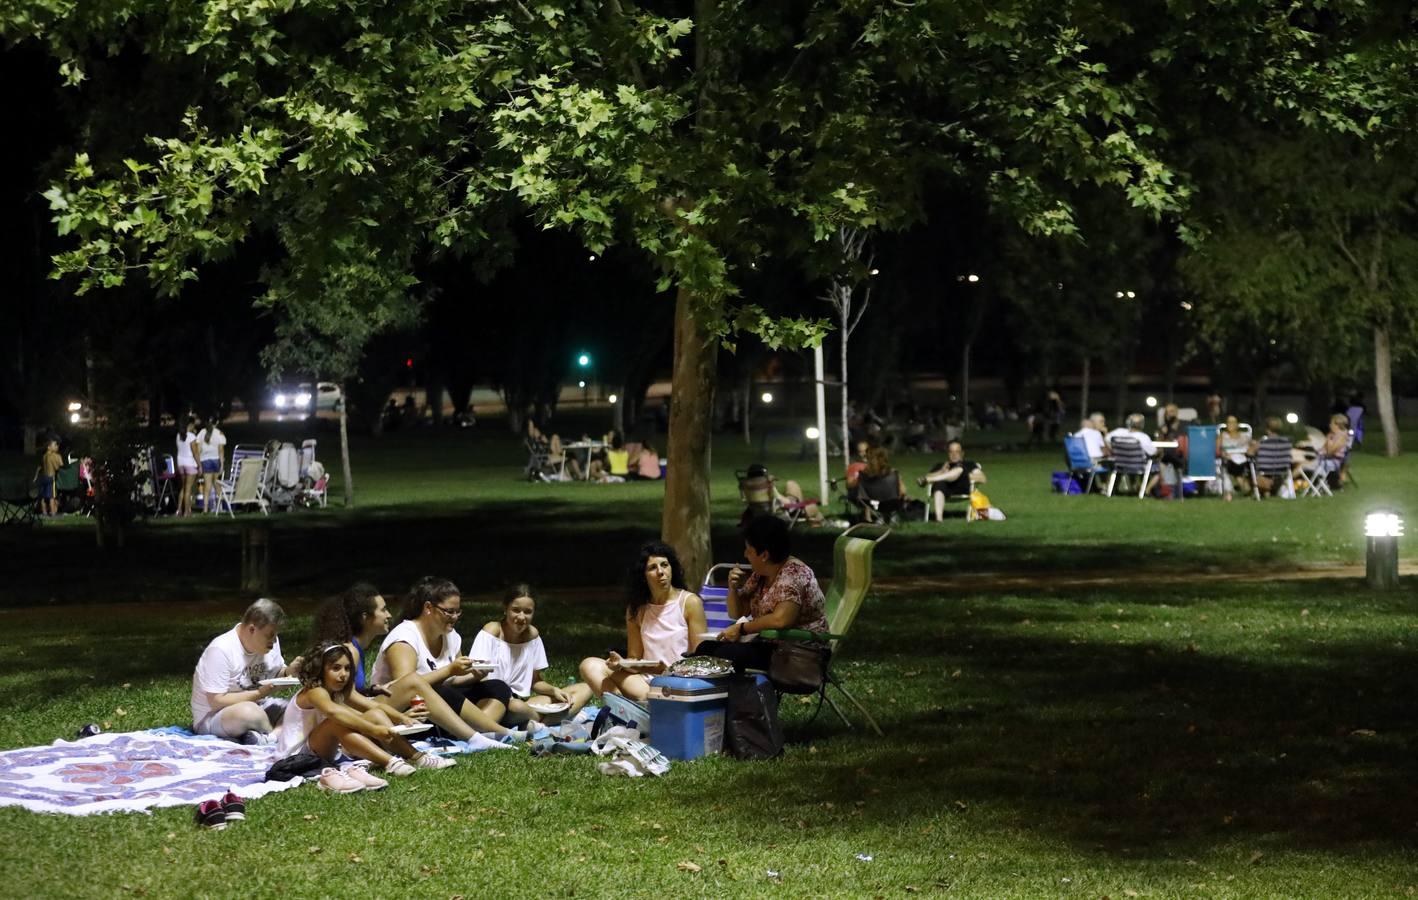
[662,620]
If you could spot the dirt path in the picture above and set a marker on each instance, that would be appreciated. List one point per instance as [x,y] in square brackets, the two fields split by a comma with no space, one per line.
[989,582]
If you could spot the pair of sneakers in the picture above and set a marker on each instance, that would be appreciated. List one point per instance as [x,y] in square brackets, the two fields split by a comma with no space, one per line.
[359,778]
[215,815]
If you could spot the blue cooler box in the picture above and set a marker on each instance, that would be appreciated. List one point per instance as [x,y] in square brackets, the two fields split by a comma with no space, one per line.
[687,718]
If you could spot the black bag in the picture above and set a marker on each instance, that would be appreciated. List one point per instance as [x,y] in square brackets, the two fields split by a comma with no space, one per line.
[297,765]
[798,668]
[751,729]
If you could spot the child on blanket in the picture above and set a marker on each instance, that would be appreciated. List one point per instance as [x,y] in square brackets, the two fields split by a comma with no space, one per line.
[515,646]
[328,716]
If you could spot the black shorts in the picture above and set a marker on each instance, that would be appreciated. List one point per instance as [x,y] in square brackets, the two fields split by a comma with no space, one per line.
[949,489]
[487,689]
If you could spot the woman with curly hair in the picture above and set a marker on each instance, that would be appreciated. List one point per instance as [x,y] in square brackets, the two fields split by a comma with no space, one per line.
[358,618]
[328,716]
[662,620]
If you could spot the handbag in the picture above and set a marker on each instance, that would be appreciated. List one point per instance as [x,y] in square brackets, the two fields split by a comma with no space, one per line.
[751,729]
[297,765]
[798,668]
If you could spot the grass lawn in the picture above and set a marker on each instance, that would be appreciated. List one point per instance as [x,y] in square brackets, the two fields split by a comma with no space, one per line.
[1152,737]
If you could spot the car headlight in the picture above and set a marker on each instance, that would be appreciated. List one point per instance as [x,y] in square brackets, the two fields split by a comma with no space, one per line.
[302,399]
[280,401]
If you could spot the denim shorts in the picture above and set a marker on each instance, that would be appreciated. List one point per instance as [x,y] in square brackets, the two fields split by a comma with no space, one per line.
[212,466]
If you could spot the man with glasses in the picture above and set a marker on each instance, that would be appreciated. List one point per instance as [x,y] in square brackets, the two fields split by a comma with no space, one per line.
[427,643]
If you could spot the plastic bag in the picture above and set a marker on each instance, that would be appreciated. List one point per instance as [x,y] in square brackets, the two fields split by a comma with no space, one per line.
[629,756]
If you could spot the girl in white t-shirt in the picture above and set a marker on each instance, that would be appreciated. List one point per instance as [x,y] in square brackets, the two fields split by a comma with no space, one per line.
[515,646]
[328,715]
[211,456]
[187,465]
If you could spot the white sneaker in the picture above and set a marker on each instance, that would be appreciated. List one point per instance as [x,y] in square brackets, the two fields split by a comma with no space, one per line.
[399,768]
[367,780]
[430,761]
[338,782]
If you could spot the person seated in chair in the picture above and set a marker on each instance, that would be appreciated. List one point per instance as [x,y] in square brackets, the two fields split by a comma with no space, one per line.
[779,592]
[1132,428]
[1268,483]
[792,493]
[879,486]
[1091,431]
[1332,453]
[956,477]
[1235,448]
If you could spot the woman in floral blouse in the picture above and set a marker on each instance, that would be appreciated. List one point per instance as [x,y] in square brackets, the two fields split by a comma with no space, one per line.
[780,593]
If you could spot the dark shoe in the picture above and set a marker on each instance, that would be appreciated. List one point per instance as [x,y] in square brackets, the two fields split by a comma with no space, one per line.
[234,807]
[210,815]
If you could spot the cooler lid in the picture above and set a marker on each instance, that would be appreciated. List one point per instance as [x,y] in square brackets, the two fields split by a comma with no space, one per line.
[675,684]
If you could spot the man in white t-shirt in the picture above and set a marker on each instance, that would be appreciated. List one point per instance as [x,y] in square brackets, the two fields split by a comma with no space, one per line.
[228,699]
[1133,429]
[1091,433]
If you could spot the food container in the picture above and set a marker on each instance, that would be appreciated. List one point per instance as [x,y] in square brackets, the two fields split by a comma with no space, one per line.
[687,716]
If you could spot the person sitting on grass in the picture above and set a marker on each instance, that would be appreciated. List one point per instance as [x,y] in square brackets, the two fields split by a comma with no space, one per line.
[956,477]
[663,619]
[328,715]
[514,645]
[781,592]
[644,462]
[426,644]
[612,465]
[228,699]
[358,618]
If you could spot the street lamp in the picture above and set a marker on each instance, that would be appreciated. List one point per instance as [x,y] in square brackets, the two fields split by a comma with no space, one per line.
[583,359]
[1292,418]
[767,397]
[1151,402]
[812,433]
[1383,529]
[613,399]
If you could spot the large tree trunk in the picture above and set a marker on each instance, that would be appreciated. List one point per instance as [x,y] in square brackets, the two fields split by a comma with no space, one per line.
[1383,388]
[685,523]
[347,478]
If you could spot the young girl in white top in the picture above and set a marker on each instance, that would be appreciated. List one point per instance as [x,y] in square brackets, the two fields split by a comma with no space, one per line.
[515,646]
[663,620]
[186,462]
[328,715]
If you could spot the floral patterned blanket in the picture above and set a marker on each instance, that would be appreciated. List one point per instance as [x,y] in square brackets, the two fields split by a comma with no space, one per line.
[133,772]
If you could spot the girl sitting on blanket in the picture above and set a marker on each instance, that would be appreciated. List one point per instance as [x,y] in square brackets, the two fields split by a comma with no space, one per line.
[358,618]
[328,716]
[663,620]
[514,645]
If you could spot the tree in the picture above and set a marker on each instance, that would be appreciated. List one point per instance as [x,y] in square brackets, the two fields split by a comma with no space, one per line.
[841,293]
[1320,255]
[367,135]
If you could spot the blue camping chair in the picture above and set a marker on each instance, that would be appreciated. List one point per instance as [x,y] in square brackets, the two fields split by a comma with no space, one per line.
[1080,464]
[1201,456]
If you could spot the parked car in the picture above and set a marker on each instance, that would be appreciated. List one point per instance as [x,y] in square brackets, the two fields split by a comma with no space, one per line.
[305,398]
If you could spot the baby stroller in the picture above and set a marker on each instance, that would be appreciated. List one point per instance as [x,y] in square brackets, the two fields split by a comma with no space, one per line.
[282,474]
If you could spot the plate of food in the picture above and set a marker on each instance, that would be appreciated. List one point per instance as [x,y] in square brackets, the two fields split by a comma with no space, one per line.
[639,663]
[417,728]
[283,681]
[548,707]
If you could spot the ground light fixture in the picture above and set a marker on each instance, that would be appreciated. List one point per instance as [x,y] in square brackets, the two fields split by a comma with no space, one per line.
[580,384]
[767,397]
[1292,418]
[1151,402]
[612,399]
[812,433]
[1382,528]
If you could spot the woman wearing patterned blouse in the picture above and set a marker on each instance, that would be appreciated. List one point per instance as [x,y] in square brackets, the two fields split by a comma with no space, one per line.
[782,592]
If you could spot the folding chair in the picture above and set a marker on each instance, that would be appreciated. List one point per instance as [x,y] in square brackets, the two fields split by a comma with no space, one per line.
[1128,459]
[715,594]
[761,498]
[1272,459]
[16,504]
[1201,457]
[537,459]
[1080,464]
[879,498]
[1318,472]
[248,486]
[851,577]
[949,499]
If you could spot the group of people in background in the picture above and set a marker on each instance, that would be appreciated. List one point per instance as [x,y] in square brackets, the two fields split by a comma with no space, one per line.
[611,460]
[498,685]
[201,453]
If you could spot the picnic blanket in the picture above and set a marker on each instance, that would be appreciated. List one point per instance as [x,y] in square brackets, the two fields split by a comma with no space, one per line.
[138,771]
[133,772]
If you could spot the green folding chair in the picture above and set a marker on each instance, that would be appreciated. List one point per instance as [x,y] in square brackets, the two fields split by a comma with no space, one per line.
[851,576]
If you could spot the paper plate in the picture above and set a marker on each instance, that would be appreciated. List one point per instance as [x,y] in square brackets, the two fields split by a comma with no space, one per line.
[548,708]
[285,681]
[411,729]
[638,663]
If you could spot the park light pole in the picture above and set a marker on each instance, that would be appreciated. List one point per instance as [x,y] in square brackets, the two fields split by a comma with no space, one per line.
[1383,528]
[583,360]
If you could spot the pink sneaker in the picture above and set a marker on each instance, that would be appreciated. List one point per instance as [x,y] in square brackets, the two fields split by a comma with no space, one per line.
[363,776]
[430,761]
[336,781]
